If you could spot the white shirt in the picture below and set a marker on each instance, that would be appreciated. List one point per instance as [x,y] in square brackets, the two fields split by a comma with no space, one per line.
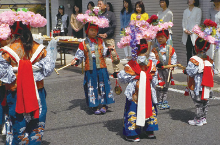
[190,19]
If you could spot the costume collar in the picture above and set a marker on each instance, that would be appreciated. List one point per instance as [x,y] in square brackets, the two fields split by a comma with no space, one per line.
[163,45]
[141,59]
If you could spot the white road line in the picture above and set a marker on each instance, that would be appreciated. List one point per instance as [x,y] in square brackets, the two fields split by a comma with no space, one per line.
[182,92]
[175,90]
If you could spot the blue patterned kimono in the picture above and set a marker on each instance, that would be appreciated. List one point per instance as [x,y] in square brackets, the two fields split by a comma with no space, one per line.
[24,128]
[130,114]
[97,86]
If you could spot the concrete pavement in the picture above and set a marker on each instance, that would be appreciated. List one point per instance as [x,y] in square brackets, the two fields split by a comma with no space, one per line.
[70,121]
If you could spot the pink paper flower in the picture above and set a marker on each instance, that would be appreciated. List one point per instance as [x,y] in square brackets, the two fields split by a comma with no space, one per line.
[5,31]
[96,10]
[87,12]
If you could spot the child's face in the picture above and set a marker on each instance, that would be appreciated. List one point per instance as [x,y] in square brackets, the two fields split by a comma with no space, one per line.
[138,9]
[92,33]
[161,39]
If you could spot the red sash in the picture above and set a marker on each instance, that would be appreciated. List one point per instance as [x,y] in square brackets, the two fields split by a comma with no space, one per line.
[136,68]
[207,80]
[26,93]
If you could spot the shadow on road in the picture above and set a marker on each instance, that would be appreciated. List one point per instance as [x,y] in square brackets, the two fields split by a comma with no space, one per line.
[44,142]
[80,103]
[115,126]
[182,115]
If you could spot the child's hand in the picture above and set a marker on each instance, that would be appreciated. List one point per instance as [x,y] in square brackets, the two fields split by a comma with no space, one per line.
[159,65]
[73,62]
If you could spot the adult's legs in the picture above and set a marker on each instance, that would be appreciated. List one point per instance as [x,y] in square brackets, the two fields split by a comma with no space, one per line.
[189,48]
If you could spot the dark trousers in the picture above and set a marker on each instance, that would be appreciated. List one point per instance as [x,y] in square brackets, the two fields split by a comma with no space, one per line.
[189,48]
[78,34]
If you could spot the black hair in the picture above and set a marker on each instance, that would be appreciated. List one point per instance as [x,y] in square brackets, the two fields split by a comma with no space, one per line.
[104,1]
[200,43]
[91,3]
[142,41]
[80,9]
[196,4]
[141,4]
[60,7]
[130,9]
[24,34]
[110,7]
[167,2]
[165,31]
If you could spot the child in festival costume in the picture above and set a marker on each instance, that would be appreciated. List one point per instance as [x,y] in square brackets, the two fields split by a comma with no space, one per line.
[200,71]
[140,108]
[97,86]
[165,55]
[26,96]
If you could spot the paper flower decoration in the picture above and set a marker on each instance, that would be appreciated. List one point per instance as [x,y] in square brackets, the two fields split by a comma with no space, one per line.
[93,17]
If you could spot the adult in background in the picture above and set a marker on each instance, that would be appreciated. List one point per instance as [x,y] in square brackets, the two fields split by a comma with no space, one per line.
[108,34]
[75,24]
[214,15]
[167,16]
[125,17]
[139,12]
[90,5]
[109,7]
[62,21]
[191,17]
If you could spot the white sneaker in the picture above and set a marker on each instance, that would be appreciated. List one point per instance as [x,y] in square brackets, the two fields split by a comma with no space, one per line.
[195,122]
[204,121]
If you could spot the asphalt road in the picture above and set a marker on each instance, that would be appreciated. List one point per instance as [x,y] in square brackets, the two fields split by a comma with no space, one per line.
[70,122]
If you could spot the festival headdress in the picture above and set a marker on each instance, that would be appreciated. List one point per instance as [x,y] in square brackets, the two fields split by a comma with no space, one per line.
[8,18]
[138,30]
[93,17]
[208,33]
[160,25]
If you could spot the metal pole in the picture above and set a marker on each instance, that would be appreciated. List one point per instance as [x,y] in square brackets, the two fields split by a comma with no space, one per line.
[48,17]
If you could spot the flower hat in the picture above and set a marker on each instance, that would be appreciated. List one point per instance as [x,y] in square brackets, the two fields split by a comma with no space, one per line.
[140,29]
[28,18]
[159,25]
[208,32]
[93,17]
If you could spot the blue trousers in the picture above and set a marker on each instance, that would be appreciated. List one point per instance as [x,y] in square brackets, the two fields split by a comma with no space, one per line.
[26,129]
[97,87]
[130,116]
